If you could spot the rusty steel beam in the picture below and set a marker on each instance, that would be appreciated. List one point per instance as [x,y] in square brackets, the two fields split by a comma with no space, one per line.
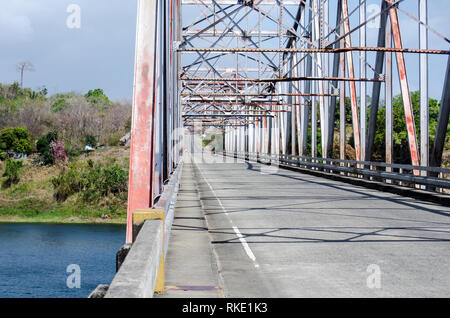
[351,74]
[142,150]
[407,104]
[210,94]
[239,110]
[286,79]
[156,117]
[317,50]
[224,103]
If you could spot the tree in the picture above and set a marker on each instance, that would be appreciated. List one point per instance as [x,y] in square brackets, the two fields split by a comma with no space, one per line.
[15,139]
[97,96]
[22,67]
[59,105]
[400,134]
[12,171]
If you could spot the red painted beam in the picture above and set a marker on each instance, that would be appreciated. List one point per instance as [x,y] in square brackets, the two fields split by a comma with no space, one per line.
[142,131]
[407,104]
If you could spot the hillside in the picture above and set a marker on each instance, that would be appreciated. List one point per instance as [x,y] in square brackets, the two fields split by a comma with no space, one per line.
[33,198]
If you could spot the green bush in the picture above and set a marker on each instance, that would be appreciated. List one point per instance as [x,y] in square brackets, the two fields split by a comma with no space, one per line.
[97,96]
[15,139]
[59,105]
[94,181]
[68,183]
[43,147]
[12,170]
[113,180]
[74,152]
[22,146]
[7,138]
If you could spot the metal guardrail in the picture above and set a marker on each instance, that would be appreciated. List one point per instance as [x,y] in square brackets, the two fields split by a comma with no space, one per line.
[406,175]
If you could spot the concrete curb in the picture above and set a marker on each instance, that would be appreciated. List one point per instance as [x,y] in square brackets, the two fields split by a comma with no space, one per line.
[141,266]
[138,274]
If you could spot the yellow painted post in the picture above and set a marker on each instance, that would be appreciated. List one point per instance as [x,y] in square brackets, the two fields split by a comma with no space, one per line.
[139,217]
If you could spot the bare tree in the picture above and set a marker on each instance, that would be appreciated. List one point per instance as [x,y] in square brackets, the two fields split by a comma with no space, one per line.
[22,67]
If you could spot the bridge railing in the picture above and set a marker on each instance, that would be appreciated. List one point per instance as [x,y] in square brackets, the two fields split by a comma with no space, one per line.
[426,178]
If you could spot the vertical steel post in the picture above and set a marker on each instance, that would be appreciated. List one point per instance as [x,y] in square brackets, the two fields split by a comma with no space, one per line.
[351,74]
[326,69]
[424,113]
[298,108]
[342,119]
[179,37]
[294,110]
[363,74]
[334,83]
[306,70]
[319,73]
[166,108]
[376,90]
[388,94]
[142,152]
[314,118]
[407,104]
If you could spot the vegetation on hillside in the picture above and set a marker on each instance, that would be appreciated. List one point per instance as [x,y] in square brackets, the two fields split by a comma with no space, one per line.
[92,186]
[73,116]
[58,178]
[14,139]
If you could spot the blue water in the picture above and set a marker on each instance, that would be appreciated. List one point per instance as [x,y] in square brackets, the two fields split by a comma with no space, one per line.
[34,258]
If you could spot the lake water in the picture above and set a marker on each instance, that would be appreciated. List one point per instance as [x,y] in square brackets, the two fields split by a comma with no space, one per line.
[34,259]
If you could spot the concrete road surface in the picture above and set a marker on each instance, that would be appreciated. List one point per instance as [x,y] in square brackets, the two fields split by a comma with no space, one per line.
[285,234]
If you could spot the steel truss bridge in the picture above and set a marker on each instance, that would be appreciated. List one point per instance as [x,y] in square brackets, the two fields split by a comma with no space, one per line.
[272,77]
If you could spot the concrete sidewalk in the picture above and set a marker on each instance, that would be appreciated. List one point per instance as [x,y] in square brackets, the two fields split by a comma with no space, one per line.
[191,270]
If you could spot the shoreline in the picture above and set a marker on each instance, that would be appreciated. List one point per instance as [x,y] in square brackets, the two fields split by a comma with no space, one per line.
[61,220]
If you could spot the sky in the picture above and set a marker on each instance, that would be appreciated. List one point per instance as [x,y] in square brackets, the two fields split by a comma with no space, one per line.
[100,54]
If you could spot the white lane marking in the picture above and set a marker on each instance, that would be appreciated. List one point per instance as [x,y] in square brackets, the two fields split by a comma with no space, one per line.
[244,243]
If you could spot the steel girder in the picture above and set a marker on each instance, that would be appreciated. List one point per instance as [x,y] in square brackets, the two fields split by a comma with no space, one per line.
[156,122]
